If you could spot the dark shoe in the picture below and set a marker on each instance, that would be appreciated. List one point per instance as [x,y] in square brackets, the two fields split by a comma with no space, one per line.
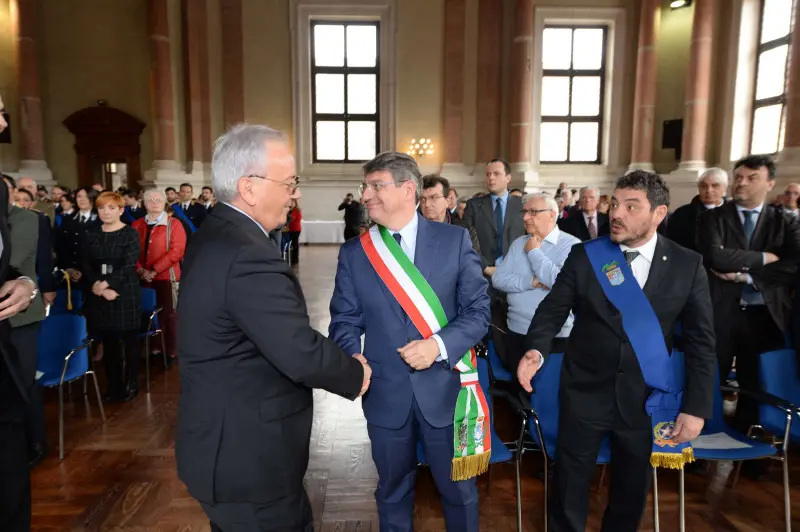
[110,397]
[171,361]
[38,452]
[131,391]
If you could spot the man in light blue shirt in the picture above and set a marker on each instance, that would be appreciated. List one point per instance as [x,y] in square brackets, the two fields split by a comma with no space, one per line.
[530,269]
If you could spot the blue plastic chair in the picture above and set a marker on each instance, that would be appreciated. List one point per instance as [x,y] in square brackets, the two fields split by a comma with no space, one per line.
[64,357]
[497,370]
[151,309]
[59,306]
[778,376]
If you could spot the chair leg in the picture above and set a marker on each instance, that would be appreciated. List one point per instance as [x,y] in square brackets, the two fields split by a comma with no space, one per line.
[147,362]
[546,492]
[682,501]
[61,421]
[787,502]
[656,521]
[99,397]
[163,348]
[736,474]
[517,461]
[85,393]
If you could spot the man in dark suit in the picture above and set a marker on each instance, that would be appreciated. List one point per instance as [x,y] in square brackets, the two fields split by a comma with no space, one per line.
[249,357]
[414,394]
[194,211]
[16,294]
[683,223]
[603,389]
[586,223]
[752,250]
[353,216]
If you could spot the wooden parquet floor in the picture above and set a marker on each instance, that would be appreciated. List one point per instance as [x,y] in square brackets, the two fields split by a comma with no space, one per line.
[121,476]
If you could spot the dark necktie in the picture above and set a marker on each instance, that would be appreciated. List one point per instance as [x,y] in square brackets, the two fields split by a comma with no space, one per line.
[593,229]
[749,225]
[498,220]
[397,239]
[630,256]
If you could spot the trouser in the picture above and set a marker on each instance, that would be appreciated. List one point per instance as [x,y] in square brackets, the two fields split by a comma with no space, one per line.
[25,341]
[121,363]
[167,316]
[15,484]
[288,514]
[394,452]
[579,439]
[751,332]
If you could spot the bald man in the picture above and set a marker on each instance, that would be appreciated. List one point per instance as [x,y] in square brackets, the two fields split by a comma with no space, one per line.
[43,206]
[791,194]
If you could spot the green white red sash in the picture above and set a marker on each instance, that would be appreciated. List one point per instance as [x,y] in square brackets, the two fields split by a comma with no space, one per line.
[472,438]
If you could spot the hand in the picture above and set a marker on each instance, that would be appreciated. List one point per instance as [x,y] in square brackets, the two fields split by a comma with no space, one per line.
[489,271]
[527,369]
[109,294]
[420,354]
[771,257]
[367,373]
[98,287]
[49,297]
[74,275]
[533,242]
[3,123]
[687,428]
[149,275]
[19,292]
[535,283]
[725,276]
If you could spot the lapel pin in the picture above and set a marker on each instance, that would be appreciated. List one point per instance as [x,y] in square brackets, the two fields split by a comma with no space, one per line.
[664,258]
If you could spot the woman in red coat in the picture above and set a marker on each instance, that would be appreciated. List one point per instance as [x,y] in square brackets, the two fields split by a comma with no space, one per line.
[159,260]
[295,226]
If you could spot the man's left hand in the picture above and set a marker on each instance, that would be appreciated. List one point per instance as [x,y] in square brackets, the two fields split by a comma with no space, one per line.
[726,276]
[19,292]
[420,354]
[687,428]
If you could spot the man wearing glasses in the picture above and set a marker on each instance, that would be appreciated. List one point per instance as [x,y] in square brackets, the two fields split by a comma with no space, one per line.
[435,206]
[529,271]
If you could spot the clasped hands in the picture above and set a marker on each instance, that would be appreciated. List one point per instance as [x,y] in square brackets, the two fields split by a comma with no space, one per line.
[367,373]
[101,289]
[17,294]
[419,354]
[147,275]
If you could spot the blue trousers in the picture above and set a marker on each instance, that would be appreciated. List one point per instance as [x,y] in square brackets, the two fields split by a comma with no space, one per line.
[394,452]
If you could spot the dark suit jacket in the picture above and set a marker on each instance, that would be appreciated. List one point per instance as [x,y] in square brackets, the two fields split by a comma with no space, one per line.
[576,226]
[196,212]
[480,215]
[601,373]
[683,224]
[44,256]
[721,240]
[249,361]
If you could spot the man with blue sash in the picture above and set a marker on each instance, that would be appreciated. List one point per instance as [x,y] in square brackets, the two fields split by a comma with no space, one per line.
[627,291]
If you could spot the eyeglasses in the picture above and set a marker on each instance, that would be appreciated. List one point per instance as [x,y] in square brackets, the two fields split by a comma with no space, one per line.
[292,186]
[533,212]
[435,197]
[375,186]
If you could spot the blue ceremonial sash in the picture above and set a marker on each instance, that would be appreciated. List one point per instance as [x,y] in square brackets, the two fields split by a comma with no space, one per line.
[640,323]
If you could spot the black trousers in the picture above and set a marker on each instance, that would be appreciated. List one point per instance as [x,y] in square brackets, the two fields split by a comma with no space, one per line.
[25,341]
[294,237]
[289,514]
[752,331]
[121,354]
[515,349]
[579,439]
[15,483]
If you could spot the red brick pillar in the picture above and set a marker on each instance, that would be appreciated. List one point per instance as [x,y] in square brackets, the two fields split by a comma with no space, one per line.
[644,105]
[521,84]
[454,28]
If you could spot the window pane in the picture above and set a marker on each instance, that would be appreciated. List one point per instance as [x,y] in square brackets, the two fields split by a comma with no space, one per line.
[329,93]
[360,141]
[362,46]
[583,141]
[556,48]
[587,49]
[330,141]
[766,129]
[553,143]
[555,96]
[771,72]
[586,96]
[329,45]
[361,94]
[776,20]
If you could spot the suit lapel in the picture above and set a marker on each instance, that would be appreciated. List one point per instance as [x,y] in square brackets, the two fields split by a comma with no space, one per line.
[760,233]
[488,210]
[658,268]
[735,224]
[425,252]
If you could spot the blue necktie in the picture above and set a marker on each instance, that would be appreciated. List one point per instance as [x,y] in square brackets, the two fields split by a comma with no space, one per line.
[749,225]
[750,296]
[397,238]
[498,220]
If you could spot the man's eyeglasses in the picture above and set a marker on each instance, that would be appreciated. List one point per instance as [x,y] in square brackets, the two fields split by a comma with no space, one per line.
[292,186]
[435,197]
[375,186]
[533,212]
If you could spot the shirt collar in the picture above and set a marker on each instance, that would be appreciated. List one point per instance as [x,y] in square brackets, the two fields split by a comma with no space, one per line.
[237,209]
[161,220]
[503,198]
[409,232]
[552,236]
[587,216]
[757,210]
[646,250]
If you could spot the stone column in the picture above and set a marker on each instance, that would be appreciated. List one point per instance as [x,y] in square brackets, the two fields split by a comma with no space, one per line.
[454,29]
[789,157]
[520,107]
[166,169]
[698,88]
[232,62]
[197,90]
[490,33]
[32,157]
[645,97]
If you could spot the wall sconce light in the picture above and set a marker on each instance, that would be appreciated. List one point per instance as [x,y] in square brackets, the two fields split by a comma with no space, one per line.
[677,4]
[420,147]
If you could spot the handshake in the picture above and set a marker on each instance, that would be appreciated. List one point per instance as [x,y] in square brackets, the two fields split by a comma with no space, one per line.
[367,373]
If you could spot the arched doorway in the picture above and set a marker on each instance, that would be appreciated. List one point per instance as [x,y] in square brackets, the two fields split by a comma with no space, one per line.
[106,138]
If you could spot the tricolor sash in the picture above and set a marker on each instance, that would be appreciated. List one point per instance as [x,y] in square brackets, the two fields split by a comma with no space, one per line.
[471,436]
[640,323]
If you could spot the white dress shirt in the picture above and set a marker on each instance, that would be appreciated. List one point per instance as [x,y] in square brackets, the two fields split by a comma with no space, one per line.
[641,264]
[408,243]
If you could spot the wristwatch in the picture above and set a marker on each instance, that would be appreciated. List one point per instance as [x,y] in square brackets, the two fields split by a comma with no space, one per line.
[35,288]
[738,277]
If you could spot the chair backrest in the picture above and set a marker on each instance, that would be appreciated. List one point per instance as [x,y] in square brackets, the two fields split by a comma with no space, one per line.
[546,384]
[778,376]
[58,335]
[148,300]
[59,306]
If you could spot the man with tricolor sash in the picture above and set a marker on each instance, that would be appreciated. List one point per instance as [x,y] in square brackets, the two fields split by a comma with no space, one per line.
[415,290]
[619,379]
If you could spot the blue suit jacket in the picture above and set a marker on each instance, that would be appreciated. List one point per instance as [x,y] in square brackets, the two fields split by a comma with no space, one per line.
[362,304]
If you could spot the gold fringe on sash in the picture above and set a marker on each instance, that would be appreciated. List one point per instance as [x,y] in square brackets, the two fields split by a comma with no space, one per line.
[672,460]
[69,291]
[466,467]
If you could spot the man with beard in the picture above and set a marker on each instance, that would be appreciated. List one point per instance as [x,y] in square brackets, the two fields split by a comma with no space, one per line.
[627,293]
